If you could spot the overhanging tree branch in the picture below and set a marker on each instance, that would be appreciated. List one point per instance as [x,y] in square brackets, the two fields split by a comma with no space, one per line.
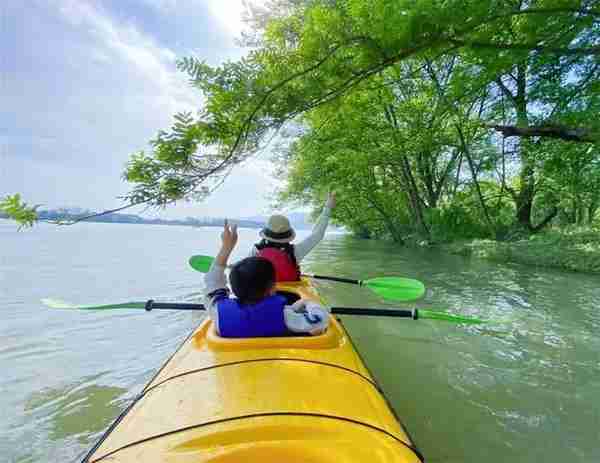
[589,51]
[577,134]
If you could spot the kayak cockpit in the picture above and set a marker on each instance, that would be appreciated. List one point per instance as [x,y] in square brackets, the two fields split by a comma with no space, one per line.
[332,338]
[293,291]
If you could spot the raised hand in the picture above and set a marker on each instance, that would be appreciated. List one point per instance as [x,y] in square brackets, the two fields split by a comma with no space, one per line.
[229,236]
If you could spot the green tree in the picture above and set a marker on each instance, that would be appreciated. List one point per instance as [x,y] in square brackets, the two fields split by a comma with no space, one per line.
[569,181]
[397,148]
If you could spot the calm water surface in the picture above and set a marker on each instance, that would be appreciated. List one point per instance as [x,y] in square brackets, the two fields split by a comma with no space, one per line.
[525,388]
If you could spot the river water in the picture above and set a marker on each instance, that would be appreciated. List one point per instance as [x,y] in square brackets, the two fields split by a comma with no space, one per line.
[523,388]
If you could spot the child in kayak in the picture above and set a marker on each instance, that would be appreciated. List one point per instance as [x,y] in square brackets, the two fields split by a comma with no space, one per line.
[258,311]
[276,243]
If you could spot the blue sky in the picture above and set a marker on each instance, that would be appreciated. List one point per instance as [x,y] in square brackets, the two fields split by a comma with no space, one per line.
[85,83]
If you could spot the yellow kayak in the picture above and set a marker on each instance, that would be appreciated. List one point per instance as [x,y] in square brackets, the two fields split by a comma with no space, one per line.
[287,399]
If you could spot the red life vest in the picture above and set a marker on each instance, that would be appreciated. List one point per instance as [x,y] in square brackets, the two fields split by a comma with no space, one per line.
[285,268]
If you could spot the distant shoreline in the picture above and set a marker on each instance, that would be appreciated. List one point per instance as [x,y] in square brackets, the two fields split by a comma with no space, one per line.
[162,223]
[67,215]
[43,216]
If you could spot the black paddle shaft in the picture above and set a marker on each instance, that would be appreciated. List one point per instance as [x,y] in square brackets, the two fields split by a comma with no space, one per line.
[401,313]
[341,280]
[151,305]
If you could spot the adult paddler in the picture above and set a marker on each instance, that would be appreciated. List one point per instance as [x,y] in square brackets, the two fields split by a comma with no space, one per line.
[276,243]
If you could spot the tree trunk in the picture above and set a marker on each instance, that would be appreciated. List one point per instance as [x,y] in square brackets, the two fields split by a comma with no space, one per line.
[526,193]
[573,212]
[387,219]
[553,213]
[408,181]
[482,204]
[424,170]
[415,200]
[592,208]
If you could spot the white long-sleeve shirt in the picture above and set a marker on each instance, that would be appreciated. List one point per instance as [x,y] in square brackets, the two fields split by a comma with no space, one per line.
[302,248]
[301,317]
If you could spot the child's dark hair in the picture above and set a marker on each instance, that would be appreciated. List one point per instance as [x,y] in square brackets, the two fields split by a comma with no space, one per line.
[251,278]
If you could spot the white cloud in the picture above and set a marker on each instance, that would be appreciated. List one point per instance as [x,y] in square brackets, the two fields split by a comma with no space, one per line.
[228,13]
[125,45]
[89,89]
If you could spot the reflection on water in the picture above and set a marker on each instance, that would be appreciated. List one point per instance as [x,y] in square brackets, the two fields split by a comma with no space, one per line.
[78,410]
[522,388]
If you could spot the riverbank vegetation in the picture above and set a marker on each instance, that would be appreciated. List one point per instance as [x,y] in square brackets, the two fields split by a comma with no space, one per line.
[434,121]
[573,249]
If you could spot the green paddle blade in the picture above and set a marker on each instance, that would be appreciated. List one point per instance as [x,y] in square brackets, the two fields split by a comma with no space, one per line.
[57,304]
[433,315]
[201,263]
[396,288]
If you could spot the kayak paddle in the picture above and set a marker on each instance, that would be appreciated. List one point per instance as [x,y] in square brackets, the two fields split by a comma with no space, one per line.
[201,263]
[147,305]
[415,314]
[394,288]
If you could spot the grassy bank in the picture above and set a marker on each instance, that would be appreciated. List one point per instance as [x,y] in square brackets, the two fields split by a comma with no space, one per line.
[576,250]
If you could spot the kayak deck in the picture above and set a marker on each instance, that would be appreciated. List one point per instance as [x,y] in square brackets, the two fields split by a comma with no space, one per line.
[261,399]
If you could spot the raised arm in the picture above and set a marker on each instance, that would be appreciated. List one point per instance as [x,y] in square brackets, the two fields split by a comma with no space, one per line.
[302,248]
[215,283]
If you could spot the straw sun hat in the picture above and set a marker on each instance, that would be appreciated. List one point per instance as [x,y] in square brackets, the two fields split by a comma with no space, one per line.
[278,230]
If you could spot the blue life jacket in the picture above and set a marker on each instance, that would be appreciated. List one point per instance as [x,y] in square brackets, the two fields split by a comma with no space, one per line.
[264,319]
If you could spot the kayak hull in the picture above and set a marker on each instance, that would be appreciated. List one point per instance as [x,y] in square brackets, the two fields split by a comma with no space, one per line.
[262,399]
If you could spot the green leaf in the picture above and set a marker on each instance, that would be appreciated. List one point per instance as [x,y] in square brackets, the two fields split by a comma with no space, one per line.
[14,208]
